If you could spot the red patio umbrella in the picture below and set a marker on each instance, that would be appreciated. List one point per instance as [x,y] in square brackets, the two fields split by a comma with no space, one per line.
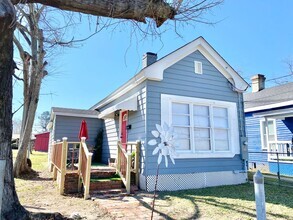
[83,130]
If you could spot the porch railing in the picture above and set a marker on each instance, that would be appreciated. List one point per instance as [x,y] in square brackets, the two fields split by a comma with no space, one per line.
[127,162]
[284,148]
[84,168]
[58,161]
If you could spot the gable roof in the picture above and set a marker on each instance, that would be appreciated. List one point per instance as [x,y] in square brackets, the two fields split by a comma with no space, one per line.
[269,98]
[155,71]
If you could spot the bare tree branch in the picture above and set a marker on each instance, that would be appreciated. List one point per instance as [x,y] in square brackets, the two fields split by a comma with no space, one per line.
[137,10]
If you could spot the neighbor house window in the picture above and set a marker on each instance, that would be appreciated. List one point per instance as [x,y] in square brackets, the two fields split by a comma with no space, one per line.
[205,128]
[268,132]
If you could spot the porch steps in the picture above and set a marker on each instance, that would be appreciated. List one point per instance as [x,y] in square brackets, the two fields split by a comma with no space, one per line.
[105,180]
[110,193]
[102,172]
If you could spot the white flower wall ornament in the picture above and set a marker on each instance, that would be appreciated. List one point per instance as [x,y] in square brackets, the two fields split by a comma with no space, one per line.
[167,145]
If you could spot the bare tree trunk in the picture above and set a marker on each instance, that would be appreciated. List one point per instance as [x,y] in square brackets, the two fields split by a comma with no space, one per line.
[11,208]
[31,92]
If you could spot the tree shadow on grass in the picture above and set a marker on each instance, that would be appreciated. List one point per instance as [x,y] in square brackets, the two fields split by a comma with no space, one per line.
[245,192]
[34,176]
[140,198]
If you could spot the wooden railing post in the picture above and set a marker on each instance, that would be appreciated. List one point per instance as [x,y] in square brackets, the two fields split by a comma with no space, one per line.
[88,177]
[118,159]
[137,165]
[63,165]
[128,173]
[50,156]
[79,163]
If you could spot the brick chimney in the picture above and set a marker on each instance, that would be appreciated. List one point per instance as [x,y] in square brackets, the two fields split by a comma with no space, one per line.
[258,82]
[148,59]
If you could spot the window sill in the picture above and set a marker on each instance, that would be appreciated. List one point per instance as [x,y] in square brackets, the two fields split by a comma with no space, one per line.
[205,155]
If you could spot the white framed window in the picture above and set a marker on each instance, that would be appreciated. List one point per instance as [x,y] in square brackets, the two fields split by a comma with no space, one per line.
[205,128]
[198,67]
[270,129]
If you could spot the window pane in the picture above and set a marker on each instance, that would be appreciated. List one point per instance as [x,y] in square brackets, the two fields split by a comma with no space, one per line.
[178,108]
[221,134]
[202,145]
[220,122]
[221,145]
[201,121]
[271,128]
[201,110]
[271,137]
[180,120]
[220,112]
[182,133]
[182,144]
[202,133]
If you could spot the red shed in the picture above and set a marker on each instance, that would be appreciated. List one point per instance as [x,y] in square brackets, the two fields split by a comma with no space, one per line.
[42,141]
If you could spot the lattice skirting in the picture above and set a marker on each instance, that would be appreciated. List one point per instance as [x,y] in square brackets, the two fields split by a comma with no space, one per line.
[173,182]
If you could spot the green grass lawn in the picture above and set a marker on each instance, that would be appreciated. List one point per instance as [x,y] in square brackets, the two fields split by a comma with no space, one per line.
[225,202]
[270,178]
[39,160]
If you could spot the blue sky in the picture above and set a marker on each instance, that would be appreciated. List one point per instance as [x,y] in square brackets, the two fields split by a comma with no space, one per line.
[252,36]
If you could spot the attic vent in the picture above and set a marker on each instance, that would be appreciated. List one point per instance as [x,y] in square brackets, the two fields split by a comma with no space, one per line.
[198,67]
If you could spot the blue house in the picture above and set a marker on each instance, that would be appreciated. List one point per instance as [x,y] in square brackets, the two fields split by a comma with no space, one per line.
[269,125]
[197,92]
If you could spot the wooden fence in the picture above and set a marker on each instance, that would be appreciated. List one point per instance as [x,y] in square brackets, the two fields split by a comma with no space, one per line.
[128,162]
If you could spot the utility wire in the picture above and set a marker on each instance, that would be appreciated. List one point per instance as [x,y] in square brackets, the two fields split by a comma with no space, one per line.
[280,77]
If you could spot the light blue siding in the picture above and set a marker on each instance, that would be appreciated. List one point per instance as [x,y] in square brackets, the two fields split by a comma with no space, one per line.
[110,138]
[283,130]
[135,118]
[68,126]
[254,135]
[254,139]
[180,79]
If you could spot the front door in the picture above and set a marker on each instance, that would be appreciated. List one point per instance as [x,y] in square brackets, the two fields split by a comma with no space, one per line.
[123,130]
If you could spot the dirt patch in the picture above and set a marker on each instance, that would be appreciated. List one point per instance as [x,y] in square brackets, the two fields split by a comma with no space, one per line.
[39,193]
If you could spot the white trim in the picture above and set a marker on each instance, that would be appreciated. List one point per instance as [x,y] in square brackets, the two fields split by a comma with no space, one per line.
[197,67]
[174,182]
[276,114]
[75,115]
[156,70]
[129,104]
[263,107]
[234,144]
[261,132]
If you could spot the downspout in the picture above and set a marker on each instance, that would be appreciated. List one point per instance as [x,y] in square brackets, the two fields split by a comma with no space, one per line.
[243,138]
